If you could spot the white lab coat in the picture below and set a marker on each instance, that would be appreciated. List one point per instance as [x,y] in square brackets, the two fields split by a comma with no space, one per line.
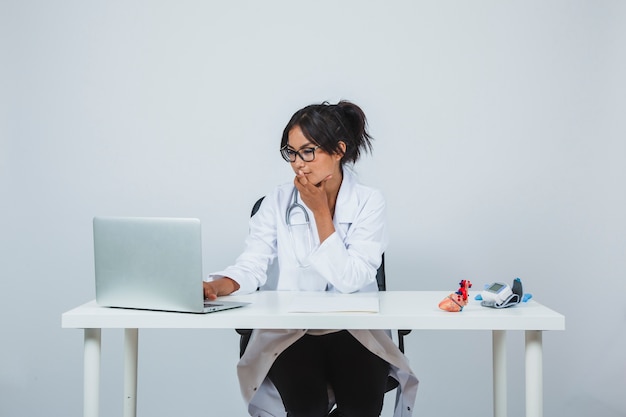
[345,262]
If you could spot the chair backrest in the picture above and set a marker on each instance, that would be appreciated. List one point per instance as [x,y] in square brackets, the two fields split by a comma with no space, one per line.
[256,206]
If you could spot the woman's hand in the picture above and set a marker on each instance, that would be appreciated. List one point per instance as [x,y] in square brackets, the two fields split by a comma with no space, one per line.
[314,196]
[219,287]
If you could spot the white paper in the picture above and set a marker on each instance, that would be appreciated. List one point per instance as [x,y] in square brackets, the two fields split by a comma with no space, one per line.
[327,302]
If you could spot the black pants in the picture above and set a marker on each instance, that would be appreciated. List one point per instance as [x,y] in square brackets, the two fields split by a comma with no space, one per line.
[304,370]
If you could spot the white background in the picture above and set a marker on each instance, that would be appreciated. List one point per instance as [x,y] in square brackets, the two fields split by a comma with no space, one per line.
[499,144]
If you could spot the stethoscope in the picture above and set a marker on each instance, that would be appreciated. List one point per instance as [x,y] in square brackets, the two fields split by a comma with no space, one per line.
[293,209]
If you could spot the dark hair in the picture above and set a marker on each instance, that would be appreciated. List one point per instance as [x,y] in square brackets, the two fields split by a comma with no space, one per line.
[327,124]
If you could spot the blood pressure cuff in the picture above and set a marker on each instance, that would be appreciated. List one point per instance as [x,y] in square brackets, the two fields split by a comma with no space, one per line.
[511,300]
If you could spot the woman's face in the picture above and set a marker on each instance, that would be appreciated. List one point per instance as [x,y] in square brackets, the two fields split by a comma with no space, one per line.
[323,165]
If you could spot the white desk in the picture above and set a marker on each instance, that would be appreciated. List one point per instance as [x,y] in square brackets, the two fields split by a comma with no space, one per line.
[415,310]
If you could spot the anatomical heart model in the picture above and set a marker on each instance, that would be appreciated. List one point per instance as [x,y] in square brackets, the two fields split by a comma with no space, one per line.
[457,300]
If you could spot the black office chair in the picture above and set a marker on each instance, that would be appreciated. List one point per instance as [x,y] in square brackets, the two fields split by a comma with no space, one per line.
[382,286]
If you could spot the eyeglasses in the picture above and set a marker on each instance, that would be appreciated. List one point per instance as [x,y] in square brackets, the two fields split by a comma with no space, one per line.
[306,154]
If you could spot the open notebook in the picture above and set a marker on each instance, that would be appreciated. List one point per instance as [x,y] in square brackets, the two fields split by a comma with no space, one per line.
[331,302]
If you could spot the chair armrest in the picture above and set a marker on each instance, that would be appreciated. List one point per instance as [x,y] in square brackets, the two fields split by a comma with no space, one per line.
[243,339]
[401,334]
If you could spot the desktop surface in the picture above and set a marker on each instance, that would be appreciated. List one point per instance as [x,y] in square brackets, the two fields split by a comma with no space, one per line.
[271,310]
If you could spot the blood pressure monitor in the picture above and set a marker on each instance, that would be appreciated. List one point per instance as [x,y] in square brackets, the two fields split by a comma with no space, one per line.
[497,293]
[500,295]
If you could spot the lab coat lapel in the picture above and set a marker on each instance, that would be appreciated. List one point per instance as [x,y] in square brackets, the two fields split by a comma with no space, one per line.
[347,201]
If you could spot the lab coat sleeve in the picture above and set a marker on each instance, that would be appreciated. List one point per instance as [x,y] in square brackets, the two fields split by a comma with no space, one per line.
[250,268]
[349,258]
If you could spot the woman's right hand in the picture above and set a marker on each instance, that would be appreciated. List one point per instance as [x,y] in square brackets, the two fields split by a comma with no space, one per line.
[219,287]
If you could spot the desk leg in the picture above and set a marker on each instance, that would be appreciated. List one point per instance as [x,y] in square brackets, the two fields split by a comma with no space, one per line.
[499,373]
[131,343]
[91,370]
[534,373]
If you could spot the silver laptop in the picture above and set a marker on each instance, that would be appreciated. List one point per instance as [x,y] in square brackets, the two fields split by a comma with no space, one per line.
[151,263]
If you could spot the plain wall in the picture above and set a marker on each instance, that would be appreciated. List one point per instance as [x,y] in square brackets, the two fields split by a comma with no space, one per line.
[499,144]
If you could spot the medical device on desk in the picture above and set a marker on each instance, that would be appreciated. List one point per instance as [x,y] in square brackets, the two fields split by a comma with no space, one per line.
[500,295]
[295,209]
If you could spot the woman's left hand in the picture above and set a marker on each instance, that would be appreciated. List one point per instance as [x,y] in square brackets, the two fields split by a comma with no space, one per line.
[314,196]
[316,199]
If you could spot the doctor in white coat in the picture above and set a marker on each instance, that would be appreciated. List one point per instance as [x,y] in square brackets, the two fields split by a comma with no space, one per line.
[322,232]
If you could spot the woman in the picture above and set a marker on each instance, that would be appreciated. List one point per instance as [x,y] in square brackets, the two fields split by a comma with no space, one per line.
[323,232]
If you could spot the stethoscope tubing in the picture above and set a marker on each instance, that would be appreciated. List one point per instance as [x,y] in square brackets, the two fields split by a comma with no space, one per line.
[295,205]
